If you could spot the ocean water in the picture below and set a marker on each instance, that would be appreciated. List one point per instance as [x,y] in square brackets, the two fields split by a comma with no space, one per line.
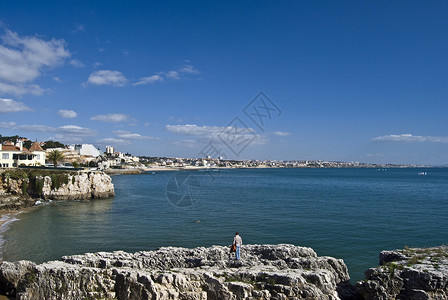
[351,214]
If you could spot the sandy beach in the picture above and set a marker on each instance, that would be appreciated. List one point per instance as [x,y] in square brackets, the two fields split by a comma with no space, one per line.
[7,215]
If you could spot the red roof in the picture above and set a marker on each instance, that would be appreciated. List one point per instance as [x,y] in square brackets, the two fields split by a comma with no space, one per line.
[12,148]
[36,147]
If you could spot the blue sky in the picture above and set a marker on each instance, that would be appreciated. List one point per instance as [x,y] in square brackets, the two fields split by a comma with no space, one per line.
[353,80]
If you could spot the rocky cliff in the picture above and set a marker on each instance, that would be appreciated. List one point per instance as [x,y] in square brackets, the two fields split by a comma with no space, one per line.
[265,272]
[21,188]
[411,273]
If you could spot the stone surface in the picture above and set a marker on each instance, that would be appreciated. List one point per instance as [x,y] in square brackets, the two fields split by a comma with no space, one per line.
[80,186]
[411,273]
[265,272]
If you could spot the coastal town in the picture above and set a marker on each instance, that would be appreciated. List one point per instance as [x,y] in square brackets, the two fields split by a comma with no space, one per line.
[21,152]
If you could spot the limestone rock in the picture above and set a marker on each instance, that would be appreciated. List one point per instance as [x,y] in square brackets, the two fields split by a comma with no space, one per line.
[412,273]
[84,185]
[16,193]
[265,272]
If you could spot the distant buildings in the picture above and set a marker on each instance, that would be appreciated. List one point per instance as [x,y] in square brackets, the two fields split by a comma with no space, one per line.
[110,150]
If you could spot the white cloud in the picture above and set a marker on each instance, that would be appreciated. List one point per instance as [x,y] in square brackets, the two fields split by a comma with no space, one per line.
[69,139]
[79,28]
[9,105]
[110,118]
[40,128]
[76,130]
[67,133]
[281,133]
[188,143]
[189,69]
[76,63]
[107,77]
[189,129]
[19,89]
[172,75]
[217,133]
[66,113]
[23,59]
[169,75]
[407,137]
[149,79]
[66,129]
[112,141]
[132,136]
[7,125]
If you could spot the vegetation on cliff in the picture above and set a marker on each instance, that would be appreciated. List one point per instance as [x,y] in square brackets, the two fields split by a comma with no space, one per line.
[32,180]
[23,187]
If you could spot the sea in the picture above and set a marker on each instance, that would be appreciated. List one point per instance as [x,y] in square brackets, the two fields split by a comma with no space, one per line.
[351,213]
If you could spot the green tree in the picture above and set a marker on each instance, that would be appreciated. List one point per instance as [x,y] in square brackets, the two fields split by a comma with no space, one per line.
[75,164]
[27,144]
[52,144]
[55,156]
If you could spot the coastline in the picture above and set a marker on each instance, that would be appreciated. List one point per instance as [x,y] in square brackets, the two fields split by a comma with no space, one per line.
[138,171]
[6,218]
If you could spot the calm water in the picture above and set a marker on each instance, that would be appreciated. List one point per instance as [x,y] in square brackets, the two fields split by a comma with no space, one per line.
[351,214]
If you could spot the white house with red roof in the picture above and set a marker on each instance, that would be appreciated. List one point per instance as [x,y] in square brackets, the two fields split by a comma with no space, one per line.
[12,156]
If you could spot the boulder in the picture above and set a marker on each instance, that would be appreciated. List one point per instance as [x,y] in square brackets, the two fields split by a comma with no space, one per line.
[411,273]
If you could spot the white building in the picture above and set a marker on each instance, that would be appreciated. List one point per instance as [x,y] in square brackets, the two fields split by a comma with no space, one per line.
[87,150]
[109,150]
[12,156]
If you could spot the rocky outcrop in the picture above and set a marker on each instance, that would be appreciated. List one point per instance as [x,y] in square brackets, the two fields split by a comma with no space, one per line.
[19,188]
[265,272]
[81,186]
[411,273]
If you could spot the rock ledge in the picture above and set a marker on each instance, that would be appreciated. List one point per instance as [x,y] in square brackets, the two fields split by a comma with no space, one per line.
[264,272]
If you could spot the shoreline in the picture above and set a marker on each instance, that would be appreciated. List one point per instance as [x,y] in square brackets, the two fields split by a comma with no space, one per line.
[144,170]
[6,218]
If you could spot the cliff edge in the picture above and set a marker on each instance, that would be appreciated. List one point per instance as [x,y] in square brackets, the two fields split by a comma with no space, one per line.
[265,272]
[20,188]
[410,273]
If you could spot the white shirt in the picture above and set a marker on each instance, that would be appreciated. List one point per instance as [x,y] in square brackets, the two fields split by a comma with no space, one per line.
[237,240]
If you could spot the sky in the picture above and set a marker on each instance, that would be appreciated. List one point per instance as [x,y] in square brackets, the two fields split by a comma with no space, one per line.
[359,81]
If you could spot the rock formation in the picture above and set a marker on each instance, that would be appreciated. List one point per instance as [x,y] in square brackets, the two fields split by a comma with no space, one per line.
[411,273]
[84,185]
[264,272]
[20,189]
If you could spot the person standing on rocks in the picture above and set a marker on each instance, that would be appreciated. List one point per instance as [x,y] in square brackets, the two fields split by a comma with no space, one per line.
[237,241]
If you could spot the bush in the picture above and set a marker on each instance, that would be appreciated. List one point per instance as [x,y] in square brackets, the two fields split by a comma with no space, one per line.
[25,187]
[38,184]
[15,174]
[57,180]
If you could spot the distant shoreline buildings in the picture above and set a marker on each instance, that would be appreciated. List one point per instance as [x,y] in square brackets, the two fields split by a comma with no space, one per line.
[87,155]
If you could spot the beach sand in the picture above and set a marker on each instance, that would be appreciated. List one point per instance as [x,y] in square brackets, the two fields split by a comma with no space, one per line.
[6,215]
